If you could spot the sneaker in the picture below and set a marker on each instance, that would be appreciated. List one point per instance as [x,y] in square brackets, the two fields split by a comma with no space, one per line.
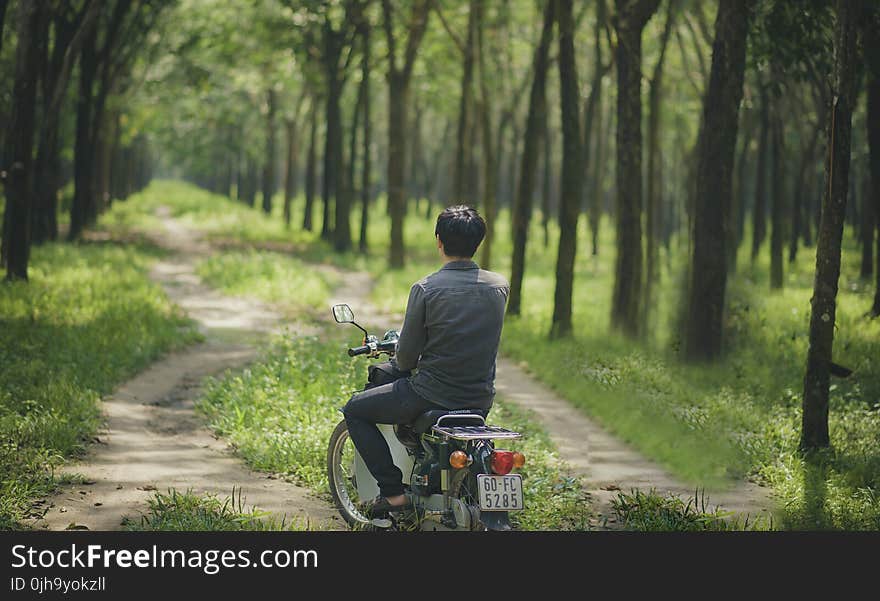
[380,507]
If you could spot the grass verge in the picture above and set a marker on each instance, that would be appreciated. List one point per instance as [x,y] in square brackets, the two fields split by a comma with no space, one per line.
[646,511]
[189,512]
[283,280]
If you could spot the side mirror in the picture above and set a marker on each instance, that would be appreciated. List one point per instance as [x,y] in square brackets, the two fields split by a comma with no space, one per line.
[343,314]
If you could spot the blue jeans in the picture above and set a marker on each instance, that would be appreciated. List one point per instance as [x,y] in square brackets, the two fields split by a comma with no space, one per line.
[394,403]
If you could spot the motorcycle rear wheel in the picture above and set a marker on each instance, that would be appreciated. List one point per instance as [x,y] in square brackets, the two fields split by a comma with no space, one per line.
[341,478]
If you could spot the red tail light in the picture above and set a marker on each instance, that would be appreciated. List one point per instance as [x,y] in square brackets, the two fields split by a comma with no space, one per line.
[502,462]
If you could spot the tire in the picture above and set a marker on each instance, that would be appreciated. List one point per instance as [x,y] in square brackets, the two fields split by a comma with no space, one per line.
[341,478]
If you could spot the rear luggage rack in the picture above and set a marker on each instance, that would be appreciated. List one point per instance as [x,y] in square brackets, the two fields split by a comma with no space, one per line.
[470,431]
[473,432]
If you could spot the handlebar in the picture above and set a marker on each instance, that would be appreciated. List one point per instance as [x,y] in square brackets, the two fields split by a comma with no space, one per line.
[386,346]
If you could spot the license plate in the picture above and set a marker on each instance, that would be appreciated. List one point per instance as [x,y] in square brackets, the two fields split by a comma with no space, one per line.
[500,493]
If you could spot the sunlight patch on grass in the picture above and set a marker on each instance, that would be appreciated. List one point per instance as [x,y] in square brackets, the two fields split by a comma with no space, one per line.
[270,276]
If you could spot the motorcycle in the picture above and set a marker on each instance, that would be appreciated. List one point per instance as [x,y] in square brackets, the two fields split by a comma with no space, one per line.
[454,476]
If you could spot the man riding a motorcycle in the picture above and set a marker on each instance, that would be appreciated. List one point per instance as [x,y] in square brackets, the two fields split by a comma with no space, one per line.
[445,356]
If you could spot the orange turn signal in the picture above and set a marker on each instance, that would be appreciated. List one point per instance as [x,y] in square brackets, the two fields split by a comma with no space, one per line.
[458,459]
[519,460]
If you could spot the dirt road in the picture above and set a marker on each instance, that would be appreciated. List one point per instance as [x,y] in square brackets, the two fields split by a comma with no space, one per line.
[153,439]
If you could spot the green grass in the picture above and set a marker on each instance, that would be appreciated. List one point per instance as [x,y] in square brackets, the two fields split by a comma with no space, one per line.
[646,511]
[707,424]
[88,318]
[274,277]
[189,512]
[220,219]
[279,415]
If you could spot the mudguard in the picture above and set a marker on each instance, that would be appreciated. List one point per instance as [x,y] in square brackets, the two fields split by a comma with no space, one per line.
[495,520]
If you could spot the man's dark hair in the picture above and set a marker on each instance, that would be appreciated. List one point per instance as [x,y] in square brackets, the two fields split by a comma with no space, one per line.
[461,229]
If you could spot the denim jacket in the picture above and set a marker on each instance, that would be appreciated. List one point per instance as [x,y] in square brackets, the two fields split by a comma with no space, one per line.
[450,335]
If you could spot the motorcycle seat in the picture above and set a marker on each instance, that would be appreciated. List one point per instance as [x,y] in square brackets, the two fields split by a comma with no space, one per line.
[427,420]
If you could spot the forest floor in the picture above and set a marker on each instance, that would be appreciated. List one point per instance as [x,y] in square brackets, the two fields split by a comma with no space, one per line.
[153,440]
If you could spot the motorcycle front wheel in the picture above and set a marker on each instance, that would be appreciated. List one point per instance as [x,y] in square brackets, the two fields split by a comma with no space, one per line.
[342,479]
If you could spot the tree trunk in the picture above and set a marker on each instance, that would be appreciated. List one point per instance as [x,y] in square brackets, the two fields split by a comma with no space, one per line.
[104,156]
[625,306]
[414,188]
[3,5]
[366,176]
[341,230]
[398,92]
[18,160]
[332,163]
[759,209]
[547,184]
[800,209]
[252,182]
[113,160]
[353,148]
[47,69]
[537,117]
[814,432]
[708,270]
[868,225]
[738,200]
[873,122]
[572,174]
[598,192]
[593,128]
[310,168]
[269,165]
[807,224]
[654,195]
[290,171]
[398,104]
[463,149]
[486,127]
[778,208]
[83,194]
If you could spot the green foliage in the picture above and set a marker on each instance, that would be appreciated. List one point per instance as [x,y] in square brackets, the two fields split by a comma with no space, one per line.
[280,413]
[797,36]
[204,98]
[189,512]
[271,276]
[219,218]
[88,318]
[650,512]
